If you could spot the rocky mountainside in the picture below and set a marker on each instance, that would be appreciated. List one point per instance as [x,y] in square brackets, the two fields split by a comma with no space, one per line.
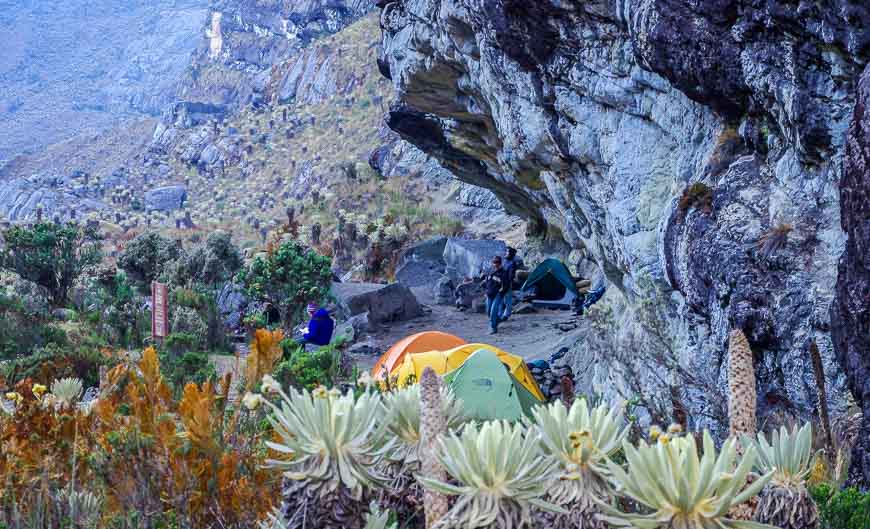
[74,65]
[692,149]
[281,108]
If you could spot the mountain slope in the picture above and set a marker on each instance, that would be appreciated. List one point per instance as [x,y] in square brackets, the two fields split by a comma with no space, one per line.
[75,65]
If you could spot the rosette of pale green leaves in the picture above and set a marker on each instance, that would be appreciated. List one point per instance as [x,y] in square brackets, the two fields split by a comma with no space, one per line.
[66,391]
[681,489]
[500,475]
[789,455]
[581,441]
[331,440]
[402,411]
[786,502]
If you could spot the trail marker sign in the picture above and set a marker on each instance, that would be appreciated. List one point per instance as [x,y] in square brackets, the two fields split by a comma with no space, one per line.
[159,311]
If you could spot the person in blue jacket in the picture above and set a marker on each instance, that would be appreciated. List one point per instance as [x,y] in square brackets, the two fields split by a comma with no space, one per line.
[320,327]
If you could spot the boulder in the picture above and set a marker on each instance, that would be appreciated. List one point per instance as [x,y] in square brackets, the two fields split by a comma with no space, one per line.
[471,258]
[166,198]
[364,349]
[467,292]
[419,273]
[431,250]
[444,291]
[231,304]
[384,303]
[354,327]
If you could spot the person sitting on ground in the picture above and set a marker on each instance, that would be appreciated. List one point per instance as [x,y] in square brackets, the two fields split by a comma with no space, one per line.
[320,327]
[512,264]
[497,285]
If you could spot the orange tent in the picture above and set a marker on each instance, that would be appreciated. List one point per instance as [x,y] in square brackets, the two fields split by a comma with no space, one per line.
[416,343]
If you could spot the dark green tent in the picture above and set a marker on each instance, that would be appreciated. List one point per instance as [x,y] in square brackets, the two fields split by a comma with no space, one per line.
[552,284]
[487,389]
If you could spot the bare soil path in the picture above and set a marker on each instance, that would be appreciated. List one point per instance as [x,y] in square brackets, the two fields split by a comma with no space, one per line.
[532,336]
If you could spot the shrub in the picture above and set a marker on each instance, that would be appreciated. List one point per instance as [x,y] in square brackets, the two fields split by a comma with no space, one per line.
[190,366]
[55,362]
[844,509]
[210,264]
[51,255]
[23,332]
[304,370]
[146,257]
[287,278]
[187,321]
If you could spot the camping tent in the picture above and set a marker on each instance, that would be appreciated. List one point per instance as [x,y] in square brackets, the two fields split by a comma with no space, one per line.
[411,368]
[552,283]
[416,343]
[488,391]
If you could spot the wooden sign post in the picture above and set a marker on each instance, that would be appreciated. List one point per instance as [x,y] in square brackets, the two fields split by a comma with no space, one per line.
[159,311]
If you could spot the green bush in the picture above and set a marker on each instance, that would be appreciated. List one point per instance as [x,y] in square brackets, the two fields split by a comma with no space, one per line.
[51,255]
[208,265]
[306,370]
[146,257]
[843,509]
[23,332]
[288,278]
[186,297]
[53,362]
[187,321]
[189,366]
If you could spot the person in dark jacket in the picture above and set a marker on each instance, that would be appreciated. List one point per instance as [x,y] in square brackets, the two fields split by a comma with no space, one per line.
[497,285]
[320,328]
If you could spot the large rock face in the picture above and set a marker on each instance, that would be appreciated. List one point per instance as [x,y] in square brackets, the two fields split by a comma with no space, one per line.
[851,312]
[693,149]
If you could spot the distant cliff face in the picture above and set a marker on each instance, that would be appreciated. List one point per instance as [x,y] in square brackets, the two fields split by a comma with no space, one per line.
[231,67]
[694,150]
[74,65]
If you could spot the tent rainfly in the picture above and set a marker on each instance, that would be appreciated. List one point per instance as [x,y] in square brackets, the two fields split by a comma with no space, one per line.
[415,343]
[488,391]
[552,284]
[411,368]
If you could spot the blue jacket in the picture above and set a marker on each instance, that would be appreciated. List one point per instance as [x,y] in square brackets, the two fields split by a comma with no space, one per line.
[320,328]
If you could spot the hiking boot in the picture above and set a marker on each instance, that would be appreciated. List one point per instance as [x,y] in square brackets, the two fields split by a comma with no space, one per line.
[493,331]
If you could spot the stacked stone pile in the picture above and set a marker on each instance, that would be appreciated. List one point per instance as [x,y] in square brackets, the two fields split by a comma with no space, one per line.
[549,379]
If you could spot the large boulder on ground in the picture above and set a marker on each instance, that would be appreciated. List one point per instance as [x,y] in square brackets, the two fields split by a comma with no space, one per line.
[419,273]
[444,291]
[231,304]
[470,258]
[166,198]
[431,250]
[467,292]
[384,303]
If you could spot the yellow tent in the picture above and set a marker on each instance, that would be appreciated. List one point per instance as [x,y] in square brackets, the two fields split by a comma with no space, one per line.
[411,368]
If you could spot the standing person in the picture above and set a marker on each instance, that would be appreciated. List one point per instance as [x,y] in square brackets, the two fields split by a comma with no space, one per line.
[497,284]
[512,263]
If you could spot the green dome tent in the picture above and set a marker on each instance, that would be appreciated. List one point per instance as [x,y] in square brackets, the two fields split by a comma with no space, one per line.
[552,284]
[487,389]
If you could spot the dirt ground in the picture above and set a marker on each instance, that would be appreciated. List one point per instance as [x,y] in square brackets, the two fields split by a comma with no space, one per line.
[532,336]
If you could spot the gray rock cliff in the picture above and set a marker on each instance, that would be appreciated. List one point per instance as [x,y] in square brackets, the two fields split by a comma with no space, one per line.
[693,149]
